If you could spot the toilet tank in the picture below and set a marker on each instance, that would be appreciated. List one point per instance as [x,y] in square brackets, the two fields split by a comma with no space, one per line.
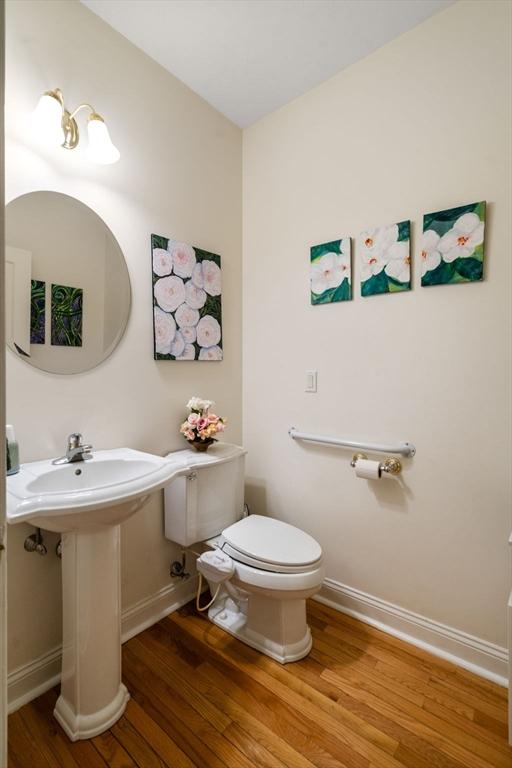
[207,495]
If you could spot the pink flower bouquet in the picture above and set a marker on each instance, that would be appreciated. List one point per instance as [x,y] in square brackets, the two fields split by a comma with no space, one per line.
[201,426]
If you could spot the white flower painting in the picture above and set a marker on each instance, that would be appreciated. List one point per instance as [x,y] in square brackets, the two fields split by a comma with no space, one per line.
[187,314]
[331,272]
[452,245]
[385,259]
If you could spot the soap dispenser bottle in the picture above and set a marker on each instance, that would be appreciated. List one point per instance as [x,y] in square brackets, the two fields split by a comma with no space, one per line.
[11,451]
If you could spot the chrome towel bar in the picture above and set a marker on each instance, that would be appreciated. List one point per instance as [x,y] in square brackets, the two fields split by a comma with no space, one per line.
[404,449]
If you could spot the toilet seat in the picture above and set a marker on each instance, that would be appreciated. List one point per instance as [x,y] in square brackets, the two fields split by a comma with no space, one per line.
[278,583]
[271,545]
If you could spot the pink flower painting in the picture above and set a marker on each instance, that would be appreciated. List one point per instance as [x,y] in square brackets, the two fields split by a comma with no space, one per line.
[187,312]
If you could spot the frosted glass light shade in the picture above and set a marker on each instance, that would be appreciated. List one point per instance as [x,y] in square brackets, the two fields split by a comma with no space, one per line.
[101,150]
[47,120]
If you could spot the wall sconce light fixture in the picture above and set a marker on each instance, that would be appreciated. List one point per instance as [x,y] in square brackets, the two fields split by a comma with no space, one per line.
[58,127]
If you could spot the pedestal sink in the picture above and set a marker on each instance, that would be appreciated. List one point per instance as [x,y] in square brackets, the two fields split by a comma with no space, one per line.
[86,501]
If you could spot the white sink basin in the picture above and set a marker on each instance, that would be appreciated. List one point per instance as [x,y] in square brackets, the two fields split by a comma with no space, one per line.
[90,475]
[85,495]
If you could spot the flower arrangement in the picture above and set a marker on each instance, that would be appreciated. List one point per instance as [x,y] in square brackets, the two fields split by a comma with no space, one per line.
[201,426]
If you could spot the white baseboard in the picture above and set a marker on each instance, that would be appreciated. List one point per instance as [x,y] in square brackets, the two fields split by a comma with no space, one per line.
[31,680]
[148,611]
[479,656]
[35,678]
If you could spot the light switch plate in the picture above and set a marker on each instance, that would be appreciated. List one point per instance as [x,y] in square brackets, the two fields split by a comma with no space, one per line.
[311,379]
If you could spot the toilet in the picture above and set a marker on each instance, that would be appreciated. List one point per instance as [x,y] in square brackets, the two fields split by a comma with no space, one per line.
[259,570]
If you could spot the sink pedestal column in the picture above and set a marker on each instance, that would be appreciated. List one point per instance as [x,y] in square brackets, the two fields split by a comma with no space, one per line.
[92,695]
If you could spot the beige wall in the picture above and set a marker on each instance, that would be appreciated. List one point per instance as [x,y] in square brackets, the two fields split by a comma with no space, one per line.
[419,125]
[179,175]
[422,124]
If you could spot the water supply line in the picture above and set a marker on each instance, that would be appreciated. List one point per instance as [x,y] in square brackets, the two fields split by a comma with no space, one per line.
[35,543]
[198,595]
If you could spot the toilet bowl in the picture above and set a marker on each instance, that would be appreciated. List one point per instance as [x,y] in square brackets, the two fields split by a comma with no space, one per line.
[275,566]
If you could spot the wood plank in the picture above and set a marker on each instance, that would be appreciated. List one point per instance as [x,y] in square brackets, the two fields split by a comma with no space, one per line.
[235,713]
[336,620]
[471,698]
[48,733]
[457,744]
[411,687]
[361,674]
[482,732]
[254,751]
[137,747]
[287,723]
[313,743]
[22,749]
[160,741]
[387,724]
[498,727]
[112,751]
[340,650]
[452,749]
[202,699]
[195,736]
[328,715]
[207,710]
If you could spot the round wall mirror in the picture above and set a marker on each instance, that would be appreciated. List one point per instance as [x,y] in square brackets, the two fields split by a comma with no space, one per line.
[67,284]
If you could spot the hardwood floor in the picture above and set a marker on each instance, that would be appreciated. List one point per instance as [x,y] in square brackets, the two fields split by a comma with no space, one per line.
[200,698]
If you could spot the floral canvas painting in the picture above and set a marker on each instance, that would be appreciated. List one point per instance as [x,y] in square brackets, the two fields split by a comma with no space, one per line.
[187,315]
[66,321]
[331,278]
[385,259]
[452,245]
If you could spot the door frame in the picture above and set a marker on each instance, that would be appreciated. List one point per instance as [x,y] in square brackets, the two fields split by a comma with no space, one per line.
[3,526]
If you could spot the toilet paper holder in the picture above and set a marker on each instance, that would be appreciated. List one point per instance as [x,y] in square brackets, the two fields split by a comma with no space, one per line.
[391,465]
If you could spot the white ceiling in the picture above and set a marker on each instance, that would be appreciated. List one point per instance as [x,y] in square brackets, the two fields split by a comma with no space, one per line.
[249,57]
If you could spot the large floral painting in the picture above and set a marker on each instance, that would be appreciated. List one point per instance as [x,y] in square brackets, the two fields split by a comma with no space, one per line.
[452,245]
[187,318]
[331,278]
[386,259]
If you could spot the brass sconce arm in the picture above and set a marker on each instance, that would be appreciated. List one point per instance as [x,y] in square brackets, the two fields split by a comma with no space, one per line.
[106,152]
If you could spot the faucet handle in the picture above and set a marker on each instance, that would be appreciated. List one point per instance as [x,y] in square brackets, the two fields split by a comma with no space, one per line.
[74,440]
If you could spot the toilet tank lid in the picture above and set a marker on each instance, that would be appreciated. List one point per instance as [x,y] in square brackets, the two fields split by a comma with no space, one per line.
[272,541]
[219,453]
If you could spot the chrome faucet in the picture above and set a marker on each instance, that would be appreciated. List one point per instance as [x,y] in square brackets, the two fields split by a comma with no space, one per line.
[76,450]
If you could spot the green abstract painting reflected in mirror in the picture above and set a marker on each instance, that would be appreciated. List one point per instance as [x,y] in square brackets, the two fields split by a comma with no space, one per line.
[331,271]
[67,312]
[37,311]
[452,245]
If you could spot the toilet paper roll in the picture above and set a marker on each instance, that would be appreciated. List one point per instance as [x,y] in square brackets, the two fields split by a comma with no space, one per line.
[368,469]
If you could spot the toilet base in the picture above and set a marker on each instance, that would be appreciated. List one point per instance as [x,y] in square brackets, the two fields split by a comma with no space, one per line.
[286,636]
